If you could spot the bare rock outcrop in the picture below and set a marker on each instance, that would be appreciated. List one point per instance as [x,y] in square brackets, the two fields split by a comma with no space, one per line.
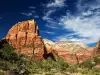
[24,36]
[73,52]
[96,49]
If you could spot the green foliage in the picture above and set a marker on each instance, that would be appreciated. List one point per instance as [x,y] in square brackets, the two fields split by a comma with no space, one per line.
[87,64]
[8,53]
[4,65]
[47,65]
[97,60]
[22,65]
[2,72]
[72,68]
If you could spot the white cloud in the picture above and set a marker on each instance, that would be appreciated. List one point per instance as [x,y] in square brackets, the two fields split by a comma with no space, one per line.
[27,14]
[71,38]
[56,3]
[93,4]
[87,13]
[30,15]
[86,24]
[63,38]
[47,15]
[52,26]
[36,16]
[48,32]
[51,8]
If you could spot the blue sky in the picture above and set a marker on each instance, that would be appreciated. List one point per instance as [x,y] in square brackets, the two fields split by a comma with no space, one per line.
[58,20]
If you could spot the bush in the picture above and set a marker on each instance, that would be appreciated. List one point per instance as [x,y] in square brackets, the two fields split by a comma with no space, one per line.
[2,72]
[97,60]
[87,64]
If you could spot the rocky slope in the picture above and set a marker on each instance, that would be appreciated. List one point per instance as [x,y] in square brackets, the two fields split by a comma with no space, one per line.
[72,46]
[96,48]
[71,51]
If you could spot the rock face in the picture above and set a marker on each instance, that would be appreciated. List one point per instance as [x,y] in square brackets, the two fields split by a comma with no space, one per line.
[73,52]
[24,36]
[97,48]
[72,46]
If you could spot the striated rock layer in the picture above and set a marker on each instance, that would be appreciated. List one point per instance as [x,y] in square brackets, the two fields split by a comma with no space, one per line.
[24,36]
[73,52]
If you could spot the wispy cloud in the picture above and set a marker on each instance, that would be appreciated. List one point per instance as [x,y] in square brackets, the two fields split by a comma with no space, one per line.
[56,3]
[27,14]
[31,13]
[52,26]
[47,15]
[36,16]
[52,6]
[48,32]
[86,24]
[65,37]
[91,5]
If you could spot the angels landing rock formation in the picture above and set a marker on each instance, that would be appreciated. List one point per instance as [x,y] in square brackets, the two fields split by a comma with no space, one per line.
[24,36]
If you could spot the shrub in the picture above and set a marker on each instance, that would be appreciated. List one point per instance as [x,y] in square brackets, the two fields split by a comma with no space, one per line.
[2,72]
[97,60]
[87,64]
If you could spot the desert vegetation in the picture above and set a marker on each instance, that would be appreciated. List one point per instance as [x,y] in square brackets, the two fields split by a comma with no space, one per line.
[15,64]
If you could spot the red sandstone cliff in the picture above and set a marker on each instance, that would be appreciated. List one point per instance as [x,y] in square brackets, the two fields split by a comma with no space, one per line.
[73,52]
[24,36]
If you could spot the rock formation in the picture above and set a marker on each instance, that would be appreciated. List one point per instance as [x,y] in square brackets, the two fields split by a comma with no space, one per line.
[24,36]
[71,51]
[96,49]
